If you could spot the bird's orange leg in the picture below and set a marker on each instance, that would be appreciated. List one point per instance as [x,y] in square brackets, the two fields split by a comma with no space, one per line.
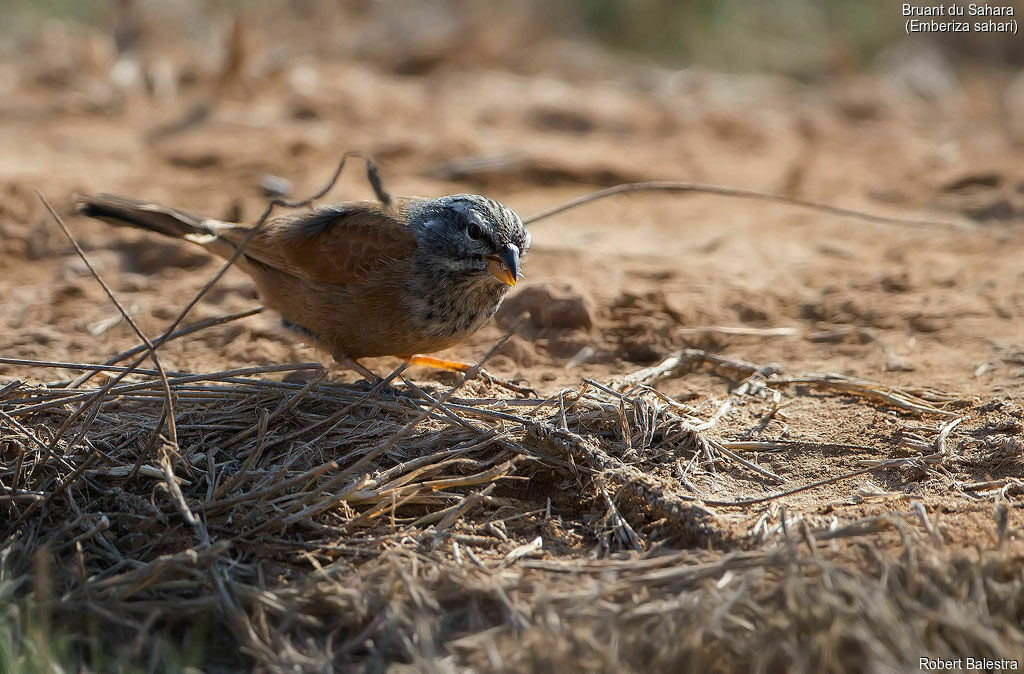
[438,363]
[456,366]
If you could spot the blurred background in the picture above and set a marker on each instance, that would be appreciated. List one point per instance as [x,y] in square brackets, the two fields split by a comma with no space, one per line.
[805,39]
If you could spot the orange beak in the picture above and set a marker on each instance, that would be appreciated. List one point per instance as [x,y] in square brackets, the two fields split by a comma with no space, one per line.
[505,265]
[500,270]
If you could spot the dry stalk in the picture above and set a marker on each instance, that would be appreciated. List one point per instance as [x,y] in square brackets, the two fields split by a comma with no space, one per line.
[732,192]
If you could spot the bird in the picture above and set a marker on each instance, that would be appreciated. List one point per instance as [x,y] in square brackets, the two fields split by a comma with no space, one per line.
[404,276]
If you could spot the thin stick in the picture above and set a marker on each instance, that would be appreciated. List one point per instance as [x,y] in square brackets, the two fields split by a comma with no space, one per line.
[97,367]
[812,485]
[226,375]
[196,327]
[723,191]
[172,429]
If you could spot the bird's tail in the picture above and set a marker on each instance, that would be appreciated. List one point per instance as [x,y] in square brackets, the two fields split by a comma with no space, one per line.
[123,211]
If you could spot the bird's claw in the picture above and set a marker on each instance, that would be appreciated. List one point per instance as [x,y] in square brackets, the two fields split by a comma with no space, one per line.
[524,391]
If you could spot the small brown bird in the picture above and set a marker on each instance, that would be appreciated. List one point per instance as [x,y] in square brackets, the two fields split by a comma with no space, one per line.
[398,278]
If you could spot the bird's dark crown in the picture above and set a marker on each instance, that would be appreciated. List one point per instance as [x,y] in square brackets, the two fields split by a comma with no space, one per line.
[457,232]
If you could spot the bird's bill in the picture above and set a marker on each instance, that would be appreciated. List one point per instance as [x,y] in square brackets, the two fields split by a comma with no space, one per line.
[500,270]
[505,265]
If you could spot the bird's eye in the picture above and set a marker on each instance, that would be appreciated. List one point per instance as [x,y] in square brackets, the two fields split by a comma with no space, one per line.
[473,231]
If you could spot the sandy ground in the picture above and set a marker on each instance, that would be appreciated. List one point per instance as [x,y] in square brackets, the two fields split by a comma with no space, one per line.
[921,309]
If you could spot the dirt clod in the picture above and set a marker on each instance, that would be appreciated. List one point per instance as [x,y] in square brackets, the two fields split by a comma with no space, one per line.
[553,305]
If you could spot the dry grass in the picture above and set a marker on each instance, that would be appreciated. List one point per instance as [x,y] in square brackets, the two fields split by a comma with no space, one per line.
[330,524]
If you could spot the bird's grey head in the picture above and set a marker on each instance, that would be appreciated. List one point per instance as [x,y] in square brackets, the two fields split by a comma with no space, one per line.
[471,237]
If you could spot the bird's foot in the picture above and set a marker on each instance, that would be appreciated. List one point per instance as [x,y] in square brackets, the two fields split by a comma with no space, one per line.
[356,366]
[456,366]
[524,391]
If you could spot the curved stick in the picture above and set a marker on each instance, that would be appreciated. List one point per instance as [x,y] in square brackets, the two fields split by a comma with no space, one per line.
[723,191]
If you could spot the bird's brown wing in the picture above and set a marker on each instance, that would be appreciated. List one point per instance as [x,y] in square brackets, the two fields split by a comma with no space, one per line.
[339,245]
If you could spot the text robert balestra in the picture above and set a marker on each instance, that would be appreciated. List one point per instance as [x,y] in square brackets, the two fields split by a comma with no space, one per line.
[967,664]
